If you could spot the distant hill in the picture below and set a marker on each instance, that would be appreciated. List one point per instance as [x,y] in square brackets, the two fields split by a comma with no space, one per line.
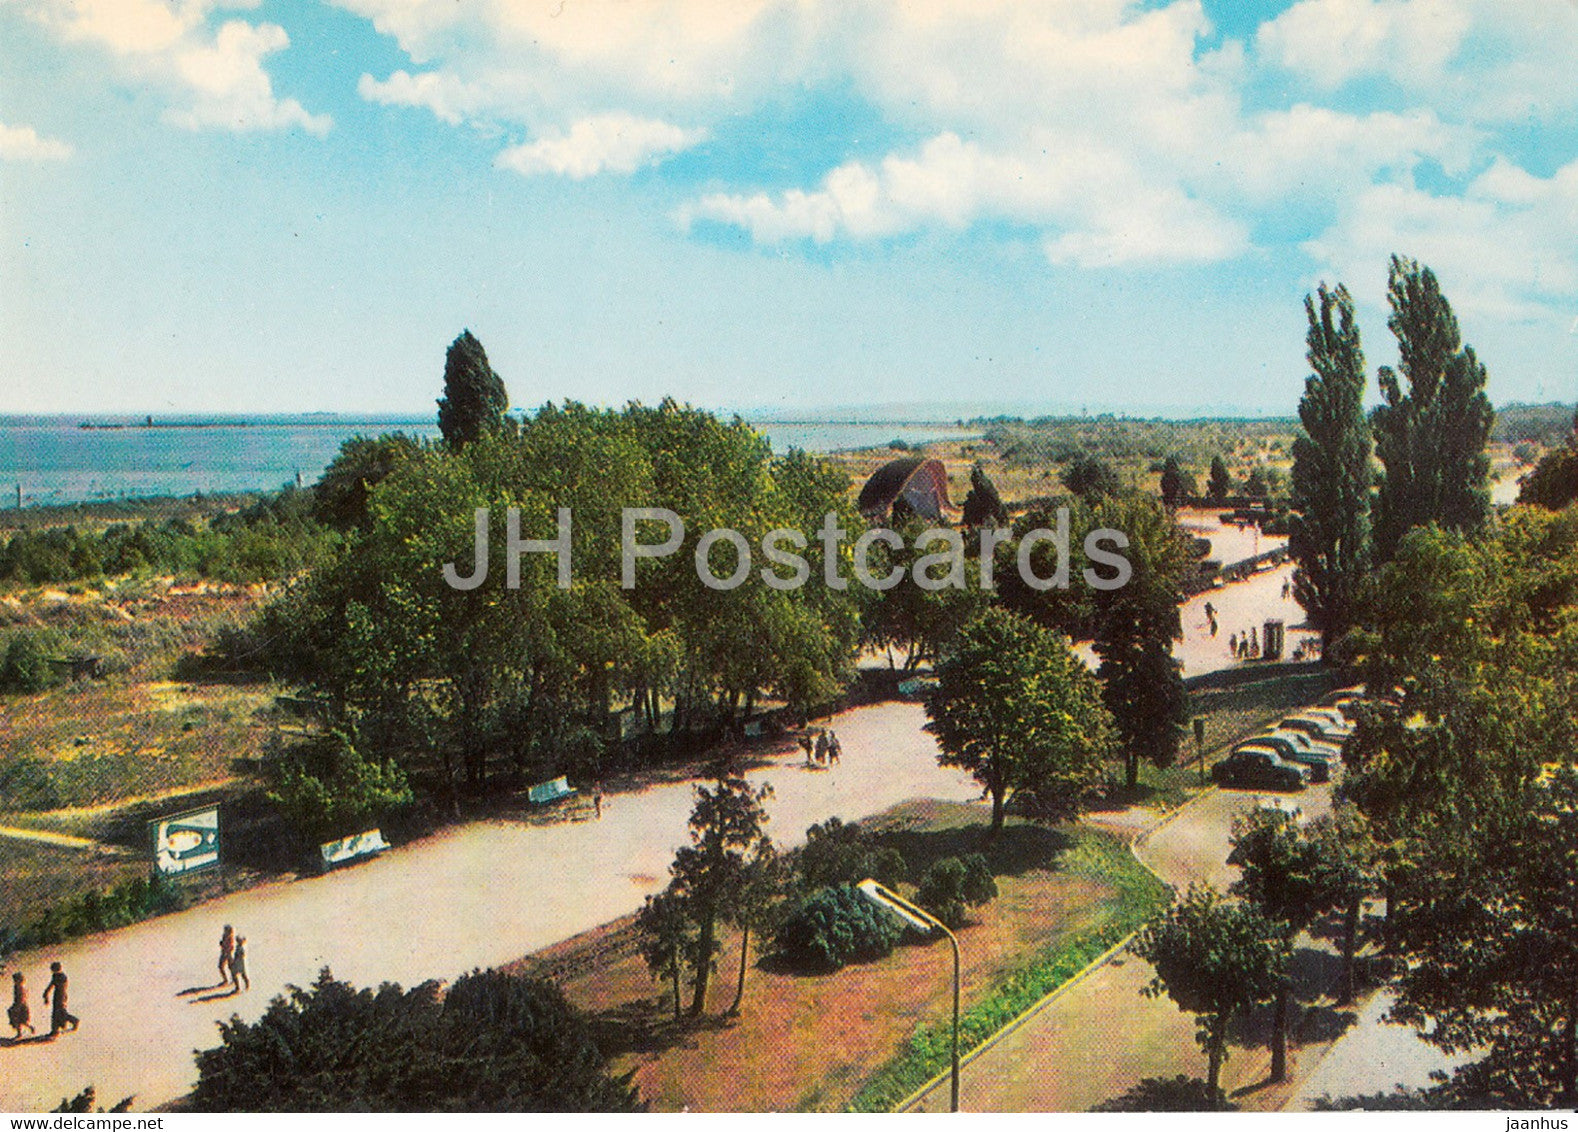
[1548,424]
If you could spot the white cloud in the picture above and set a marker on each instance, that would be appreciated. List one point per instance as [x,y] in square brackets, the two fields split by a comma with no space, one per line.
[1506,249]
[449,98]
[22,143]
[1096,209]
[1104,126]
[216,76]
[1490,59]
[607,143]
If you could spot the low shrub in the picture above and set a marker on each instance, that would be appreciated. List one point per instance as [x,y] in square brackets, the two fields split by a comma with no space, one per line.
[836,926]
[952,885]
[139,898]
[26,667]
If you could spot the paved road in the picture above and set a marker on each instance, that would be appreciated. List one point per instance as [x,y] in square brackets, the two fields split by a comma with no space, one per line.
[473,896]
[1372,1057]
[1102,1036]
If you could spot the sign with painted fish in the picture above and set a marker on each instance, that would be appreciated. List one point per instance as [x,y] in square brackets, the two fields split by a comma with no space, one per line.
[186,843]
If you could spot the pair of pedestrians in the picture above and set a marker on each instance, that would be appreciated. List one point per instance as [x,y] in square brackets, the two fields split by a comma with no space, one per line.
[20,1015]
[233,960]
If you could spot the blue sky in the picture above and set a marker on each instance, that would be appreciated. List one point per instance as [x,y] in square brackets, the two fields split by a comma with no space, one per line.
[295,205]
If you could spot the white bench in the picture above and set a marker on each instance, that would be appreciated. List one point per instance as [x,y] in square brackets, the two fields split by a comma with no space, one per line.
[353,847]
[551,791]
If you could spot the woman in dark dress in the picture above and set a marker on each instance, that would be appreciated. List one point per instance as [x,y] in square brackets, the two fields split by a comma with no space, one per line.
[20,1016]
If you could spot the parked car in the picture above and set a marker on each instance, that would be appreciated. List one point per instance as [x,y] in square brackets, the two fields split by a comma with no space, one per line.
[1295,747]
[1259,768]
[1320,728]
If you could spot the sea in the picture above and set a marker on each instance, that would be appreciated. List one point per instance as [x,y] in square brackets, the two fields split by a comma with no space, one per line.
[58,460]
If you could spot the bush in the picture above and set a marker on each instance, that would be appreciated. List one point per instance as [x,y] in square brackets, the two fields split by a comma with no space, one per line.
[836,852]
[25,668]
[128,902]
[834,927]
[494,1043]
[328,790]
[951,885]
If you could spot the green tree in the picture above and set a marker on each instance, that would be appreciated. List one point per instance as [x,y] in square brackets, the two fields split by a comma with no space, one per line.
[1172,485]
[474,401]
[1134,629]
[493,1042]
[1258,484]
[667,937]
[1282,873]
[756,910]
[1217,961]
[339,498]
[1329,526]
[1469,782]
[983,505]
[838,852]
[1553,483]
[918,620]
[1220,484]
[1350,858]
[713,875]
[1090,477]
[1018,709]
[326,789]
[1490,942]
[1431,439]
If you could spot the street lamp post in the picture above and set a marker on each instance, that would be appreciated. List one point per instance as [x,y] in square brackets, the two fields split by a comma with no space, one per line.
[918,917]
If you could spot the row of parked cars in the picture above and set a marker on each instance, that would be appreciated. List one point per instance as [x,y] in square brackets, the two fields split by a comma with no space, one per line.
[1300,749]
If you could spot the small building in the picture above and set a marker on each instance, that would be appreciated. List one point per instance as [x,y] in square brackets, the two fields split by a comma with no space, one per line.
[1272,641]
[915,481]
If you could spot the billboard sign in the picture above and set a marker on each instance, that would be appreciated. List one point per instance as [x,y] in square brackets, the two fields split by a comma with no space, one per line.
[186,843]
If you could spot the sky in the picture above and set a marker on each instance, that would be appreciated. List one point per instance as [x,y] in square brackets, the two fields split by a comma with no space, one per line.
[777,206]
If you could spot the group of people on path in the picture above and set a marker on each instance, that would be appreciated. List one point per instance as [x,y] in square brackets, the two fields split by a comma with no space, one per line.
[1245,646]
[824,750]
[20,1015]
[233,960]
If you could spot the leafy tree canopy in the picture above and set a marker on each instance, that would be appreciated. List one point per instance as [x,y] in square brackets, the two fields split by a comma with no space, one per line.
[492,1043]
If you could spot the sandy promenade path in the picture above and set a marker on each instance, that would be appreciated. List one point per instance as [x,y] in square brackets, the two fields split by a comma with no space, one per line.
[473,896]
[1101,1036]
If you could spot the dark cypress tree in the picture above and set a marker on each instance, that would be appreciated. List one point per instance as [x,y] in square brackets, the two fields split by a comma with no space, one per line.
[983,504]
[1172,485]
[474,400]
[1329,529]
[1431,439]
[1221,481]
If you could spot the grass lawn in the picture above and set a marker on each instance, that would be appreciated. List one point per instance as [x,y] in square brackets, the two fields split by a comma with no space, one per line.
[815,1042]
[35,877]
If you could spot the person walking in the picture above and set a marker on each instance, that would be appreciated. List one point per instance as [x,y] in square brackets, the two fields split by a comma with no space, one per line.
[597,800]
[227,947]
[20,1015]
[834,747]
[809,747]
[1232,643]
[59,1016]
[238,967]
[821,748]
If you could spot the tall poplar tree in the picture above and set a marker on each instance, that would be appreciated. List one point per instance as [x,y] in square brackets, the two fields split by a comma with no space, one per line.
[1329,527]
[1431,439]
[474,400]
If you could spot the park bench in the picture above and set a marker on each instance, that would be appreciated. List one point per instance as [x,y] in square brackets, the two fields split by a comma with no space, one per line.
[551,791]
[352,848]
